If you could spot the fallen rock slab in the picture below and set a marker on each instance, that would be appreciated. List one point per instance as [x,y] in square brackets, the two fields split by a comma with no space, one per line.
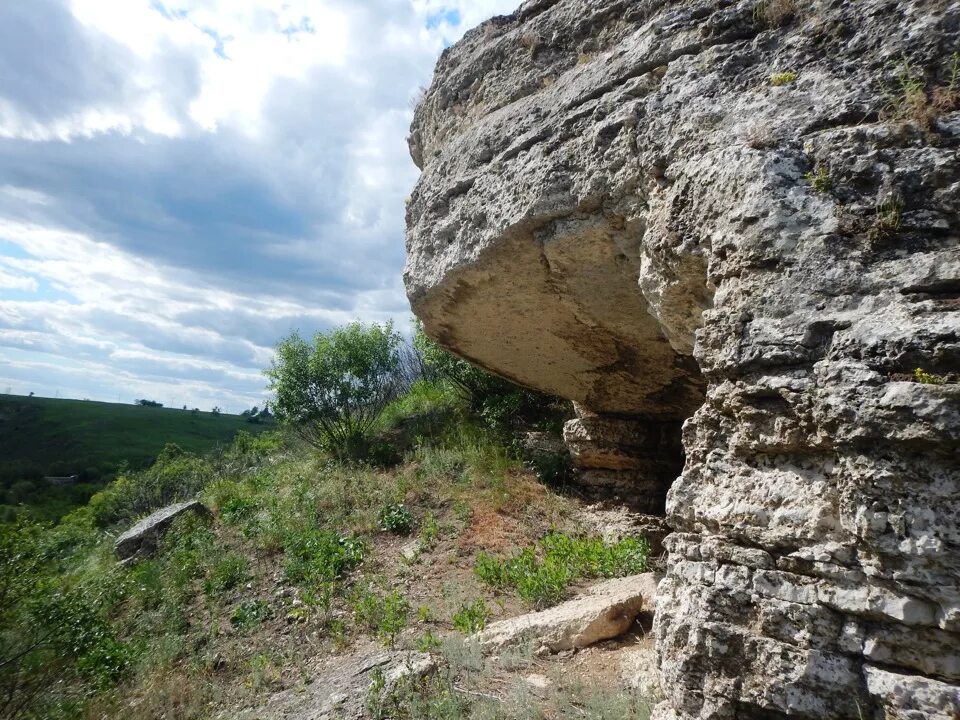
[342,686]
[142,538]
[606,611]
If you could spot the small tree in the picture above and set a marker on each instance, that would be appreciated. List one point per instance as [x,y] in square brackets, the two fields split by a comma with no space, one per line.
[334,390]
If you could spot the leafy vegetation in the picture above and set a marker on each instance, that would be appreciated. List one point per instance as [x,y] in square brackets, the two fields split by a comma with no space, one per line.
[334,390]
[95,441]
[541,574]
[502,405]
[395,518]
[472,617]
[295,536]
[928,378]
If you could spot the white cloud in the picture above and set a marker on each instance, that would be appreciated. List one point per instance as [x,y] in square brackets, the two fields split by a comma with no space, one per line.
[9,281]
[184,182]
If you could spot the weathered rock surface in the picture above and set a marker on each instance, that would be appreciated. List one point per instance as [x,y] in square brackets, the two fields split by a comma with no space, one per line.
[340,688]
[615,207]
[605,611]
[142,538]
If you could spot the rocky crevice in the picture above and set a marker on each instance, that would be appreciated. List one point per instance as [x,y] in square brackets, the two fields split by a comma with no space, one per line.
[619,207]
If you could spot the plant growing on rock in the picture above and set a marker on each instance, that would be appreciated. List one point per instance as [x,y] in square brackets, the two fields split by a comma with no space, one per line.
[928,378]
[782,78]
[887,219]
[774,13]
[819,179]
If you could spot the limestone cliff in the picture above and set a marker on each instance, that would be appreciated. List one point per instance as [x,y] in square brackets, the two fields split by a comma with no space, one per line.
[743,217]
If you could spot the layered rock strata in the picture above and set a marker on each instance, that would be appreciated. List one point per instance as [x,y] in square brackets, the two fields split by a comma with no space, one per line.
[636,460]
[744,215]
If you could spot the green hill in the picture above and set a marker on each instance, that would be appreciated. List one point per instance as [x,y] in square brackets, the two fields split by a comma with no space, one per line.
[50,437]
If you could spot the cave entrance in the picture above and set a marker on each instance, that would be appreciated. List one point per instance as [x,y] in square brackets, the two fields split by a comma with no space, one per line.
[632,460]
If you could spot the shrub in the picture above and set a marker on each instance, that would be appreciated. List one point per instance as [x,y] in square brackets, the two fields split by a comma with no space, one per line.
[334,390]
[774,13]
[396,518]
[501,404]
[472,618]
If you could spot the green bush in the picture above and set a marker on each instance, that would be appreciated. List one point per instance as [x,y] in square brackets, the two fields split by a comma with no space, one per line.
[334,390]
[176,475]
[542,574]
[395,518]
[501,404]
[472,618]
[250,613]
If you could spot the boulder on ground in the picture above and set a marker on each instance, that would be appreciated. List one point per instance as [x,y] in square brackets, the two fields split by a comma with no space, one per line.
[142,538]
[605,611]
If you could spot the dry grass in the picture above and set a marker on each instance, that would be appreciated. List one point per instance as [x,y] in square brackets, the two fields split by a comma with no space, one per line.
[775,13]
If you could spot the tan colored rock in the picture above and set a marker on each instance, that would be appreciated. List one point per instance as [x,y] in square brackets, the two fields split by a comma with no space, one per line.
[642,229]
[605,611]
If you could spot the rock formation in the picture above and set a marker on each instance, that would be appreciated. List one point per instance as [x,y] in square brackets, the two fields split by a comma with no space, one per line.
[142,539]
[743,217]
[604,611]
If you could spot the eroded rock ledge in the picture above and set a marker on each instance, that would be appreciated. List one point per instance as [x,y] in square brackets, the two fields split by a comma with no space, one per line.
[618,206]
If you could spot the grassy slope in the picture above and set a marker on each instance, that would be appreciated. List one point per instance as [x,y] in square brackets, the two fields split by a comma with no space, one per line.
[237,607]
[80,433]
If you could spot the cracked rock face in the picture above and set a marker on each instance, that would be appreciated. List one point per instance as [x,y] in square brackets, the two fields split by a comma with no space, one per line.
[619,206]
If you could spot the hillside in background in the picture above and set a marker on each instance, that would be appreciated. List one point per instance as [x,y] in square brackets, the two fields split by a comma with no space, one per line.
[46,436]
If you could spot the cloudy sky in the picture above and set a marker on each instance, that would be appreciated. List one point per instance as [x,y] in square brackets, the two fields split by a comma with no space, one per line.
[184,182]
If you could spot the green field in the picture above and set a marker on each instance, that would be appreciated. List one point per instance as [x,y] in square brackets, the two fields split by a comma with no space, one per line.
[46,436]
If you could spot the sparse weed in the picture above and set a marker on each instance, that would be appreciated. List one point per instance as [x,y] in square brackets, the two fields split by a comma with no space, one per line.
[947,97]
[384,615]
[228,572]
[887,219]
[907,97]
[429,531]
